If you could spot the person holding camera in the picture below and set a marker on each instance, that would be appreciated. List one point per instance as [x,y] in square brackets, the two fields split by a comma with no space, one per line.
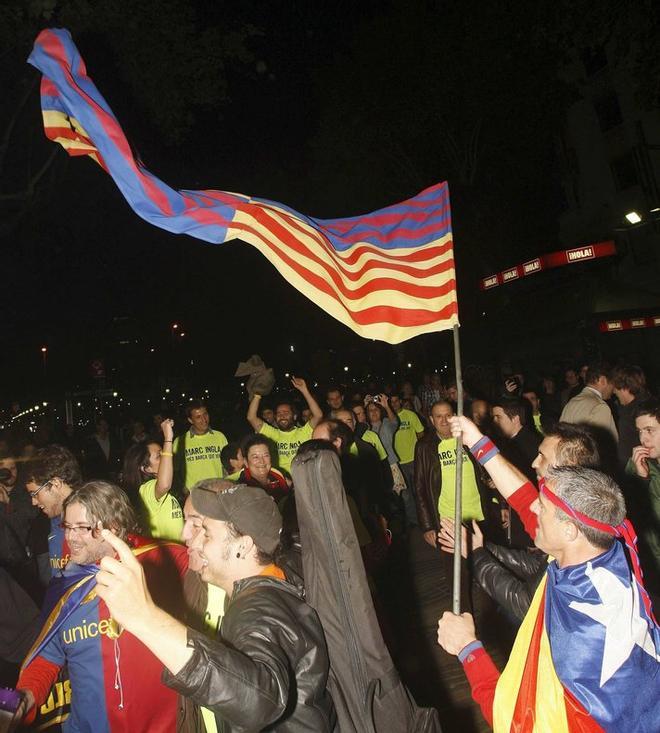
[384,423]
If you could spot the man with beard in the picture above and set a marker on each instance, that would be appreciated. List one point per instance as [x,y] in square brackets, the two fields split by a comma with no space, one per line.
[269,668]
[205,606]
[115,681]
[286,436]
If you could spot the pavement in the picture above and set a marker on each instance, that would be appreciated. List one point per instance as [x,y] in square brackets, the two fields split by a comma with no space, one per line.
[415,593]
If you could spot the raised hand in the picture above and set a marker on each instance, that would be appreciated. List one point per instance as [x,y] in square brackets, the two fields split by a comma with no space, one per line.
[640,457]
[167,427]
[121,584]
[461,425]
[299,383]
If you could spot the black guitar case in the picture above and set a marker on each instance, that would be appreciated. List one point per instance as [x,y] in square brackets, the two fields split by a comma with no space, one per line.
[365,686]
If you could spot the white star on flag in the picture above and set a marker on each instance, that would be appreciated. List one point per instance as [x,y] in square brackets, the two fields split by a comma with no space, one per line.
[619,613]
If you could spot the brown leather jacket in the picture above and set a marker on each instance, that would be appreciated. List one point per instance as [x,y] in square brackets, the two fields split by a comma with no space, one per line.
[428,481]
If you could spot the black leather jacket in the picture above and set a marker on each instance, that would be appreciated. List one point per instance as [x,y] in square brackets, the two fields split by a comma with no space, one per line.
[428,481]
[509,576]
[269,669]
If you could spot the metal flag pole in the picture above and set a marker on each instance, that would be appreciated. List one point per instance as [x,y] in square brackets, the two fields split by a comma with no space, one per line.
[458,495]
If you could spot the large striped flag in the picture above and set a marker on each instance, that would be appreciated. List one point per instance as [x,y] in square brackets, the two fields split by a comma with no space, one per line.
[388,275]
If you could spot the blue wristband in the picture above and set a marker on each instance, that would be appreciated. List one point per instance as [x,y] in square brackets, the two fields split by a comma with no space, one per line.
[467,650]
[484,449]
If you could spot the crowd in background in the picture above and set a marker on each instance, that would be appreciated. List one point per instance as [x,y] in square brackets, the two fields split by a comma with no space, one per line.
[397,454]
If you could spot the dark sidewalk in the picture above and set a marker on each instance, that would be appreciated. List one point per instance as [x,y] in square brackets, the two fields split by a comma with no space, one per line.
[415,593]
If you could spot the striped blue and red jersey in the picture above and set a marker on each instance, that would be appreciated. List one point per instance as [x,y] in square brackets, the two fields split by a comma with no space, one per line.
[115,679]
[58,549]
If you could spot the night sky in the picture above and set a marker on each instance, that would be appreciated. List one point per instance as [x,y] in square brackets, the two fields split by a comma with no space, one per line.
[332,108]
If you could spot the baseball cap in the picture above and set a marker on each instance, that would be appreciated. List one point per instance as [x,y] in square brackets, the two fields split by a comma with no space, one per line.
[248,508]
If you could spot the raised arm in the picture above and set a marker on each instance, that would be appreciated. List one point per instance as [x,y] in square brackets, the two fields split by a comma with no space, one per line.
[506,477]
[252,413]
[313,405]
[166,467]
[384,401]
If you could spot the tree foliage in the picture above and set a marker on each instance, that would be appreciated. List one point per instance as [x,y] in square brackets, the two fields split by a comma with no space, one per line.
[169,63]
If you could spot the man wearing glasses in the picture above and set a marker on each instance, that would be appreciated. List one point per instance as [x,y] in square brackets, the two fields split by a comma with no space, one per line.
[52,476]
[115,680]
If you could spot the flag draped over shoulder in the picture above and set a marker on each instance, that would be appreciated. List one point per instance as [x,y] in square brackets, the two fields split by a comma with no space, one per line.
[63,597]
[587,656]
[388,275]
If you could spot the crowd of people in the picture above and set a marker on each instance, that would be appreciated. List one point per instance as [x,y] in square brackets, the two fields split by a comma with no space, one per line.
[156,575]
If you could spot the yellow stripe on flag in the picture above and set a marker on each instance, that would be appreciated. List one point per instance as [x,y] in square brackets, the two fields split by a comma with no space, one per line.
[549,706]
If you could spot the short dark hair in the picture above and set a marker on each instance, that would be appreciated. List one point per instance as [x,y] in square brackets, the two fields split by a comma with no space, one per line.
[55,461]
[630,377]
[596,370]
[512,408]
[194,405]
[382,411]
[338,429]
[593,494]
[288,403]
[443,401]
[230,451]
[649,407]
[263,558]
[576,447]
[256,439]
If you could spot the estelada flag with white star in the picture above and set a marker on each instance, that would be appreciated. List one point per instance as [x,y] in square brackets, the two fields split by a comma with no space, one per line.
[587,656]
[388,275]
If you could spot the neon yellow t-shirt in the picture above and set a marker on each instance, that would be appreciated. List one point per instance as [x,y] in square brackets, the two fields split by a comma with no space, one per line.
[369,436]
[202,455]
[215,610]
[406,436]
[234,476]
[163,517]
[471,504]
[287,441]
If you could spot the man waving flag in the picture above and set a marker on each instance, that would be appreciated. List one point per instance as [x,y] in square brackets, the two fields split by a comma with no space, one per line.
[586,658]
[388,275]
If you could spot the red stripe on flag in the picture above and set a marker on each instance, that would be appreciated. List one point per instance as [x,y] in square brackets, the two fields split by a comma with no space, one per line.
[384,220]
[112,129]
[287,239]
[415,255]
[391,263]
[204,215]
[578,719]
[367,316]
[524,713]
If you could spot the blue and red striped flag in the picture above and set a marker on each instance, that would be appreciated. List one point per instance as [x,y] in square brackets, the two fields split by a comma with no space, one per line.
[388,275]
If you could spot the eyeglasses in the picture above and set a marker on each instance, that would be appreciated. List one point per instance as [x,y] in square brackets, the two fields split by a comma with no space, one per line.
[77,529]
[43,486]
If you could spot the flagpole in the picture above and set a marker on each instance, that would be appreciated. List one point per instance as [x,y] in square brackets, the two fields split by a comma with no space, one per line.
[458,495]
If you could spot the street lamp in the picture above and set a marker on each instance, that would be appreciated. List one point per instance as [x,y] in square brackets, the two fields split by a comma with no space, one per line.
[633,217]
